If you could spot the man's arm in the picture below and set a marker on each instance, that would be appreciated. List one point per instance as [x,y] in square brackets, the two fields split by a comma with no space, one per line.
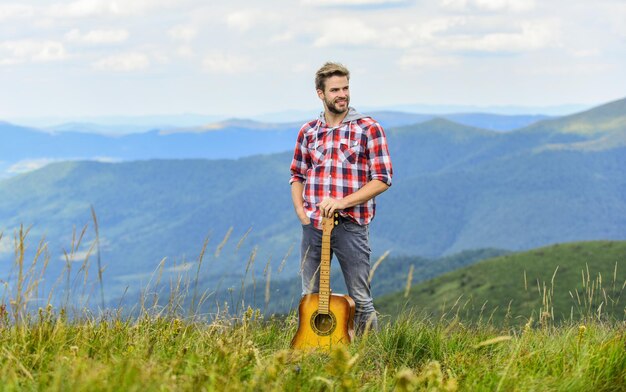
[299,167]
[370,190]
[298,202]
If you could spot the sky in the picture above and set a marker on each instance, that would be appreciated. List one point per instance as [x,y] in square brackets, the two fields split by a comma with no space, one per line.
[78,58]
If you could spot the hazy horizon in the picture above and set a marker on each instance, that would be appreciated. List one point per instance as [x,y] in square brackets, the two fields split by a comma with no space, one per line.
[189,119]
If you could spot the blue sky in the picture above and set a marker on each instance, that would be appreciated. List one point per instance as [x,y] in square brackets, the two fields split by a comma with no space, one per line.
[79,58]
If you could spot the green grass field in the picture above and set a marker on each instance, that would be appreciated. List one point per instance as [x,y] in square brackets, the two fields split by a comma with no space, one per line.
[163,353]
[561,283]
[168,348]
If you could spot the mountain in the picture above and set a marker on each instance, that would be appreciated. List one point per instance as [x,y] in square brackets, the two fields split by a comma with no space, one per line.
[26,147]
[564,280]
[455,188]
[113,125]
[91,128]
[495,122]
[604,119]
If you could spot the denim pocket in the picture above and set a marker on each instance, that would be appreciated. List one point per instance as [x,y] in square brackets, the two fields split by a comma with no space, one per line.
[354,227]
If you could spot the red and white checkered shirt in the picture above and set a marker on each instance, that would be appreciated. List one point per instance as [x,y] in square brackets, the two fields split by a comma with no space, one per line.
[336,162]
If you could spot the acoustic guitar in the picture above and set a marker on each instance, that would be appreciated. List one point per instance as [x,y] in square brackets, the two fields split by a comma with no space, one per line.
[325,319]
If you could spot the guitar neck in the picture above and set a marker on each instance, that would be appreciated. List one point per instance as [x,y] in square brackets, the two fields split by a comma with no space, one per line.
[324,292]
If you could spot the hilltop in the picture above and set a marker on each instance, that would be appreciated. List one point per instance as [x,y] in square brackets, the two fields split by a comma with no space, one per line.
[565,280]
[607,118]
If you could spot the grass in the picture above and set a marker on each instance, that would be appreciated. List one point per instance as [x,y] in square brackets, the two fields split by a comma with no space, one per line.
[169,347]
[49,352]
[562,282]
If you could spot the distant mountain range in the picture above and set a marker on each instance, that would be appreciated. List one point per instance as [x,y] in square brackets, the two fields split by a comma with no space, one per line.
[25,148]
[455,188]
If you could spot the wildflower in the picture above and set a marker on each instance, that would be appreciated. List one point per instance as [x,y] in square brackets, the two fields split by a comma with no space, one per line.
[177,325]
[528,326]
[340,365]
[432,378]
[405,380]
[581,332]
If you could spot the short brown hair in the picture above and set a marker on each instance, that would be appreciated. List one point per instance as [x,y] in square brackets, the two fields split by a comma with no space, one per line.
[329,69]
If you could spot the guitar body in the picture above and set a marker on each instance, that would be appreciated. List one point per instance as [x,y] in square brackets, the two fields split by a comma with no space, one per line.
[319,330]
[325,319]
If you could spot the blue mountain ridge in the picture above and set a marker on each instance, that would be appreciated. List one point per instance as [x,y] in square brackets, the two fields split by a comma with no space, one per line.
[455,188]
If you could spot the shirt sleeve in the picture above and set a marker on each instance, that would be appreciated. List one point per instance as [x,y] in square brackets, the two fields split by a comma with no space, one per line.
[378,156]
[301,159]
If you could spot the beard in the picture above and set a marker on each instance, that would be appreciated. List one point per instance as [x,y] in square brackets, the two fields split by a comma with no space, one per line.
[332,106]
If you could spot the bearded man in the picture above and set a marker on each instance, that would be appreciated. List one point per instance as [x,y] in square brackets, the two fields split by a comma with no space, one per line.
[341,163]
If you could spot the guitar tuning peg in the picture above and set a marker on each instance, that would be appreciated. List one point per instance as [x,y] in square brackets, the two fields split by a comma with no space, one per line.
[336,223]
[336,214]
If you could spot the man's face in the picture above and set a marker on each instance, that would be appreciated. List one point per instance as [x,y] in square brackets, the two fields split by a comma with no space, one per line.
[336,94]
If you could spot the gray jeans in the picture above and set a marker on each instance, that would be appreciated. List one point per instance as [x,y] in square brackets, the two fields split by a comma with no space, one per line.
[350,243]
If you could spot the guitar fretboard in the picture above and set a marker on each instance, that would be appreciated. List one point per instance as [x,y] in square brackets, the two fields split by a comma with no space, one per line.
[324,293]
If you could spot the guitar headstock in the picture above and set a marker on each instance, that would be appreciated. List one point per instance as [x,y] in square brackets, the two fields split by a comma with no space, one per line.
[328,224]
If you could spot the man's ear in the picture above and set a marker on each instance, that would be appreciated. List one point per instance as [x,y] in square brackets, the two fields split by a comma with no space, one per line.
[320,94]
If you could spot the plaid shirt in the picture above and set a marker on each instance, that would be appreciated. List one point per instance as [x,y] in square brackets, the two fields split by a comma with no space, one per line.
[335,162]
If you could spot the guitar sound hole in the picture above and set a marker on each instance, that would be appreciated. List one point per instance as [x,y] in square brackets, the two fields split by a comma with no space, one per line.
[323,324]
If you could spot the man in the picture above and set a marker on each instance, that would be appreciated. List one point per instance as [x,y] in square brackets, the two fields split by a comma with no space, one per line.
[341,163]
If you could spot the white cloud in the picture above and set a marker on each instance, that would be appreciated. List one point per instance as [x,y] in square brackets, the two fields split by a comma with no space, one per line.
[425,59]
[78,256]
[345,3]
[183,33]
[616,19]
[574,69]
[83,9]
[185,51]
[242,20]
[6,245]
[261,21]
[125,62]
[529,37]
[583,53]
[356,32]
[181,267]
[283,37]
[347,32]
[488,5]
[28,165]
[16,52]
[98,8]
[14,11]
[439,25]
[416,35]
[97,36]
[193,43]
[227,63]
[304,68]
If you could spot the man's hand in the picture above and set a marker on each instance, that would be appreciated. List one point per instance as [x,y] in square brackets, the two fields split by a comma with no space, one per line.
[329,205]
